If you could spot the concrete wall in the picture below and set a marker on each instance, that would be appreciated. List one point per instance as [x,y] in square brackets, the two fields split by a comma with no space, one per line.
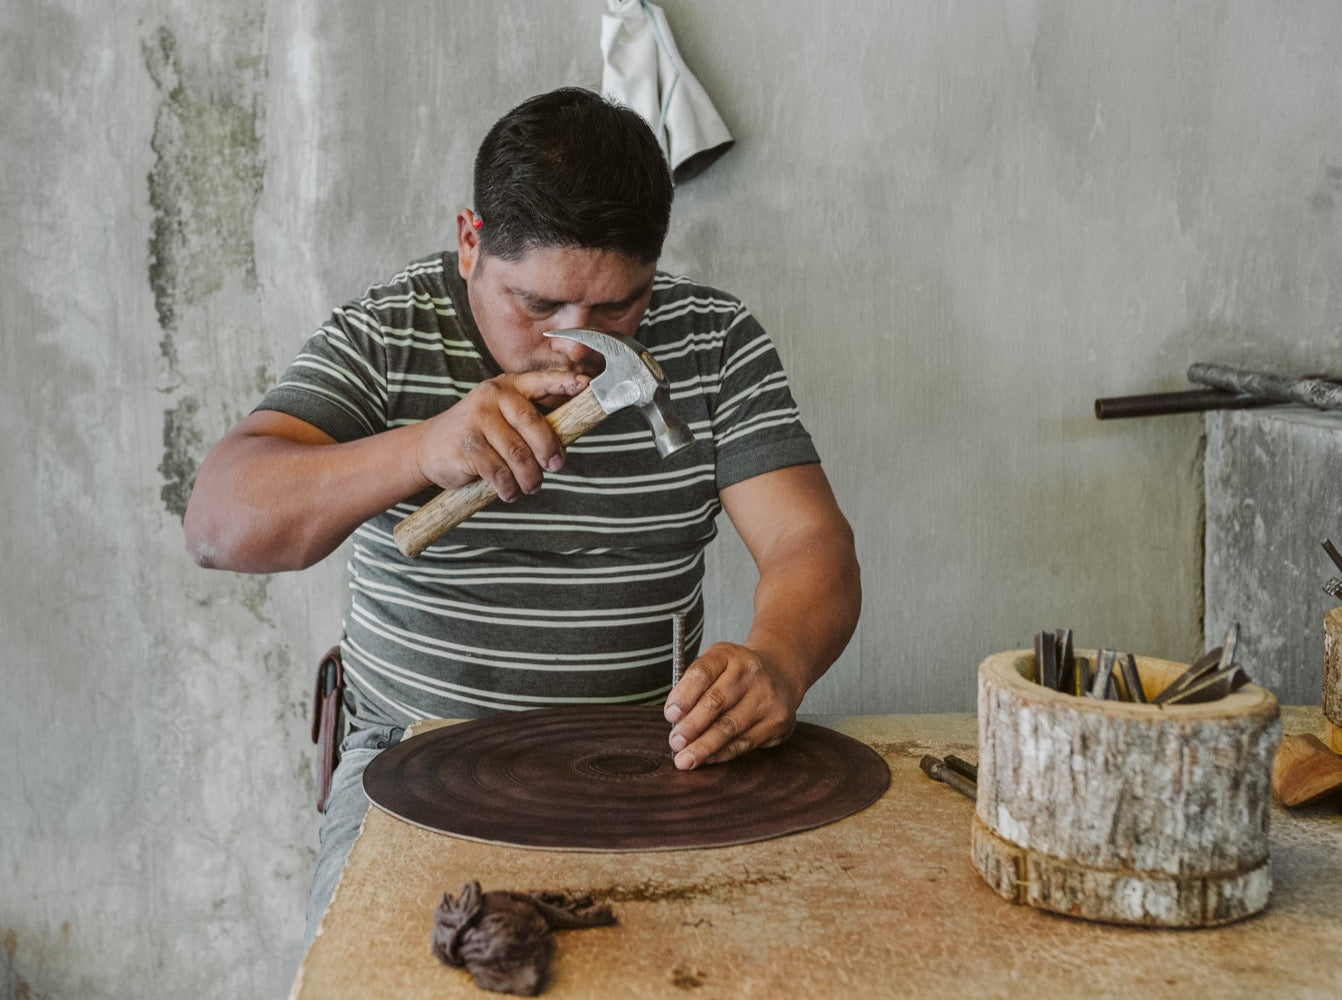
[962,222]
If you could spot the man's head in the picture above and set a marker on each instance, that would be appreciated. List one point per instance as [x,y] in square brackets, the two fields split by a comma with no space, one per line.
[571,169]
[573,199]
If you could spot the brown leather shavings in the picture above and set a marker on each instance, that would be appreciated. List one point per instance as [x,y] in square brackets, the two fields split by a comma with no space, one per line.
[504,938]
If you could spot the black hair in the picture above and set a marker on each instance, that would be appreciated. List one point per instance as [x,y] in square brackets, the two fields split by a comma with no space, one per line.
[572,169]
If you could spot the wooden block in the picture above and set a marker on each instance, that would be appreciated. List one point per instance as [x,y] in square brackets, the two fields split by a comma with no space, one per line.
[1306,769]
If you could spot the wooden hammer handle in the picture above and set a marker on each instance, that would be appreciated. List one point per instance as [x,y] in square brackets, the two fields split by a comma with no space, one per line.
[450,507]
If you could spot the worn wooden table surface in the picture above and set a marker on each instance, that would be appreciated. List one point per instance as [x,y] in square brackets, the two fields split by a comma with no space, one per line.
[883,904]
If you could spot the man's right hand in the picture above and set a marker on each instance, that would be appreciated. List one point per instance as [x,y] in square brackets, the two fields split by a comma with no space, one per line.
[278,494]
[496,433]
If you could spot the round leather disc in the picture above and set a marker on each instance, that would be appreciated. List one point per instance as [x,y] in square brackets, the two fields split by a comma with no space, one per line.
[602,779]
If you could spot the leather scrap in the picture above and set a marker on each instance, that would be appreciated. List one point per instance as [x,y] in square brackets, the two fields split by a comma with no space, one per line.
[504,938]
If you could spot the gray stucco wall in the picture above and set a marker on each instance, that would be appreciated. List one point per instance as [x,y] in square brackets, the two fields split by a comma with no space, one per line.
[961,222]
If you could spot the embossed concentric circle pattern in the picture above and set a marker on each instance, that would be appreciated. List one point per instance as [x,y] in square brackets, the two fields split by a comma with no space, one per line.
[602,779]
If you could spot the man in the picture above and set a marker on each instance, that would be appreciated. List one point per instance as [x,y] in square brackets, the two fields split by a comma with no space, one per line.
[564,592]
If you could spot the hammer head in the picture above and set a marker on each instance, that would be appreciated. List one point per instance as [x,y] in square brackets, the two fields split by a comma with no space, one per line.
[633,378]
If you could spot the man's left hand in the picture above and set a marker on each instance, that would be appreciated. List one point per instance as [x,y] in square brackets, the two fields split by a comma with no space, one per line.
[730,700]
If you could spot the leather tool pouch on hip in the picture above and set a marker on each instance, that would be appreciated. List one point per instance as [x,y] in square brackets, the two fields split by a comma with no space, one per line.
[326,710]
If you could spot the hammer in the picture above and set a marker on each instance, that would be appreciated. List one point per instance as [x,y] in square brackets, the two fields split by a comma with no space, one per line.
[632,377]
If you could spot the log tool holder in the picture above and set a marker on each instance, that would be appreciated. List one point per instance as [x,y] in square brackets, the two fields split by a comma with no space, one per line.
[1123,811]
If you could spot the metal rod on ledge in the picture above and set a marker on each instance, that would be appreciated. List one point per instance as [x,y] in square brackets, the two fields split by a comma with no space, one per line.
[1189,401]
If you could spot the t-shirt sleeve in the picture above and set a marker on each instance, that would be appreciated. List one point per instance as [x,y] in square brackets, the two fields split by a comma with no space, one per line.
[338,381]
[756,424]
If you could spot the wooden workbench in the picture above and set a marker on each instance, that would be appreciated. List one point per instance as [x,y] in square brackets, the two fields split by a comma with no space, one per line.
[883,904]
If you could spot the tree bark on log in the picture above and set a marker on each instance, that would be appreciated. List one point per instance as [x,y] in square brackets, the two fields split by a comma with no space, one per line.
[1332,678]
[1123,812]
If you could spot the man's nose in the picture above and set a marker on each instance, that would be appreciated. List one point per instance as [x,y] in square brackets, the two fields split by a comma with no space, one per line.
[576,315]
[579,355]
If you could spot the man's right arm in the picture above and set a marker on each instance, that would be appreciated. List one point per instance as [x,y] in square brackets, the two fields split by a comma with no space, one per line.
[277,493]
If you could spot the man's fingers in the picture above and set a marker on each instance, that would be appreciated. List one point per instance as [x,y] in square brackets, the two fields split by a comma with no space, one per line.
[547,385]
[725,741]
[699,676]
[782,736]
[724,706]
[501,441]
[509,478]
[536,439]
[527,443]
[503,438]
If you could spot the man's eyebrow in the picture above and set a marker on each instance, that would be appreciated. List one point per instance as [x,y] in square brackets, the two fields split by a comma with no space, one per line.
[533,298]
[536,299]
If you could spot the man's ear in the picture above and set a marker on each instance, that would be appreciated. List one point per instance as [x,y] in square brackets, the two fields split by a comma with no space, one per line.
[468,243]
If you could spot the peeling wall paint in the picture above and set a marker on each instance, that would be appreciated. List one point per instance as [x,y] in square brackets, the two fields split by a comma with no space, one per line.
[184,448]
[204,187]
[204,190]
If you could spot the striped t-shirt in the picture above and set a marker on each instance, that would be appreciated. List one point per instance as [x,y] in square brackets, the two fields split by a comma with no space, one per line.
[565,596]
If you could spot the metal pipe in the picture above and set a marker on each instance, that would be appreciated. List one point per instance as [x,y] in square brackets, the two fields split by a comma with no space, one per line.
[1189,401]
[935,768]
[962,766]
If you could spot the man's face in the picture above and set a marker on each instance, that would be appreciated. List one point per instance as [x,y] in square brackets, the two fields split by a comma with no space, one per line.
[550,288]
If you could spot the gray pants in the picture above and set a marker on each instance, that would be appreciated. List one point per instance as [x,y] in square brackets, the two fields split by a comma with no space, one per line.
[345,808]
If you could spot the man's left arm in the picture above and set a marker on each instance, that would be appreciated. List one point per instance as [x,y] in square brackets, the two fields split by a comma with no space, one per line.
[735,698]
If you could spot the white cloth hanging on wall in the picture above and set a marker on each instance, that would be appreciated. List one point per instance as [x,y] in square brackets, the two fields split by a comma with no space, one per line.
[644,70]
